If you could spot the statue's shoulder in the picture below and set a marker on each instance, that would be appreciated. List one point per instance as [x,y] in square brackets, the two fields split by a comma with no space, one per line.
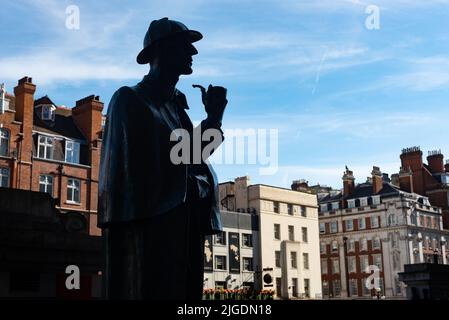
[121,100]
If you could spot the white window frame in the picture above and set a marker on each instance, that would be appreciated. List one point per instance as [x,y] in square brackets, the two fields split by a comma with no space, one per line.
[376,260]
[376,224]
[72,184]
[47,144]
[363,244]
[347,222]
[335,265]
[48,181]
[353,288]
[4,104]
[322,228]
[376,200]
[48,112]
[376,243]
[334,223]
[224,262]
[363,202]
[352,264]
[4,176]
[220,238]
[249,237]
[247,264]
[4,140]
[351,204]
[351,245]
[72,151]
[335,206]
[334,246]
[364,223]
[364,263]
[322,247]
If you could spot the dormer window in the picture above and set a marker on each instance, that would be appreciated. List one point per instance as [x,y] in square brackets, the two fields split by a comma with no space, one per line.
[48,112]
[376,200]
[72,151]
[363,202]
[4,103]
[323,207]
[335,205]
[351,203]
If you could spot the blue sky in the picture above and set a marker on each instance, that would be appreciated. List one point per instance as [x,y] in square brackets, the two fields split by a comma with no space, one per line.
[338,93]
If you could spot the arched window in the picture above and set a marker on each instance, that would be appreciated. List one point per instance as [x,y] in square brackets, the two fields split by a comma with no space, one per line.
[4,142]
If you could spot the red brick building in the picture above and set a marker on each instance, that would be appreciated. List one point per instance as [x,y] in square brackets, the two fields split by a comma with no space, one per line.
[53,149]
[430,180]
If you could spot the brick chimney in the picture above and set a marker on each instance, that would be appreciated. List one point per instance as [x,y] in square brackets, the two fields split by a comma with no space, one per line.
[348,183]
[378,180]
[406,180]
[24,95]
[436,161]
[300,185]
[412,158]
[88,116]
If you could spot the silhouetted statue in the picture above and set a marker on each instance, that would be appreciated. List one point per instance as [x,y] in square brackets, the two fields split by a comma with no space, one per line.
[154,211]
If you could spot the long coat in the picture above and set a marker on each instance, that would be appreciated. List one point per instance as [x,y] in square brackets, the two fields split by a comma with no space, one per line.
[137,178]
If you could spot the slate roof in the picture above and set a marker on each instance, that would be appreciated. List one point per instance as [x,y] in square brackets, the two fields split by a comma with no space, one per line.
[364,190]
[63,125]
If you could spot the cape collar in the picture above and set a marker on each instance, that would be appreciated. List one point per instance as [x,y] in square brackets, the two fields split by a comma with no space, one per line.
[151,88]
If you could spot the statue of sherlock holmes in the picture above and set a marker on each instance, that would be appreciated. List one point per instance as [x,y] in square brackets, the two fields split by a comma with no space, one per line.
[155,210]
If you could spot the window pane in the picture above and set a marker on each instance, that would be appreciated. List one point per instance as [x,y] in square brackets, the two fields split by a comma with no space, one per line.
[305,236]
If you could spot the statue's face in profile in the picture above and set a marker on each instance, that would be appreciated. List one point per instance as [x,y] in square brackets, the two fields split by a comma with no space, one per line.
[177,53]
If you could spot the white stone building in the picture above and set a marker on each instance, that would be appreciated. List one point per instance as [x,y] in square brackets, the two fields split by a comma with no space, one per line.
[288,241]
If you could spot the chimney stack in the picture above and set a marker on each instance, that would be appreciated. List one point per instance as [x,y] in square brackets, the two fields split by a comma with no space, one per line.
[378,180]
[300,185]
[24,95]
[88,116]
[406,180]
[412,158]
[436,161]
[348,183]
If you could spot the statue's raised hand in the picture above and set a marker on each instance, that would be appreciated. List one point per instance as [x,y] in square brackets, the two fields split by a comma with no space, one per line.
[214,100]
